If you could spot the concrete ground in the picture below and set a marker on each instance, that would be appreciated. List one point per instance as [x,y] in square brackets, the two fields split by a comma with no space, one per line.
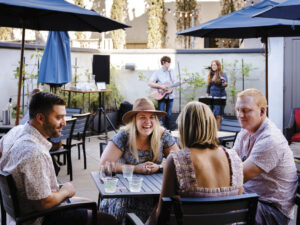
[82,180]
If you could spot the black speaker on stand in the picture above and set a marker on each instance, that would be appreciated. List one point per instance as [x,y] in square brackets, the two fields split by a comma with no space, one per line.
[101,70]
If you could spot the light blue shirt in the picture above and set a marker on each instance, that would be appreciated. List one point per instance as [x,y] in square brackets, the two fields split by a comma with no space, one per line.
[161,76]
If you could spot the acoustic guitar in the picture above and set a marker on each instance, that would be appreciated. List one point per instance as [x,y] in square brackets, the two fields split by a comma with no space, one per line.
[159,94]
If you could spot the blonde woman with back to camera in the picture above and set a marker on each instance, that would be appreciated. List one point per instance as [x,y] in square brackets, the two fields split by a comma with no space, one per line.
[202,168]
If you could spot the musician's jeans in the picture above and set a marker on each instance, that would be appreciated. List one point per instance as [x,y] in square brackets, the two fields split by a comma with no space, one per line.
[166,105]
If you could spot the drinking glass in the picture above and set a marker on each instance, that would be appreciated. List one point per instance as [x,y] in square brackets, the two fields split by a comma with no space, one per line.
[135,184]
[110,184]
[108,169]
[101,171]
[127,171]
[113,168]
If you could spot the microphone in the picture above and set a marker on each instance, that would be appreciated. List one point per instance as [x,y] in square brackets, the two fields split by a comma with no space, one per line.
[208,68]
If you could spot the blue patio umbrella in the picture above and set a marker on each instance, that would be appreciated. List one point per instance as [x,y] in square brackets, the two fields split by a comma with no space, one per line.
[55,15]
[287,10]
[56,67]
[241,24]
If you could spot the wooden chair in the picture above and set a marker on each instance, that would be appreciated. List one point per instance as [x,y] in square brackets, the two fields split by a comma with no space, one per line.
[71,111]
[212,211]
[230,126]
[10,203]
[79,133]
[66,134]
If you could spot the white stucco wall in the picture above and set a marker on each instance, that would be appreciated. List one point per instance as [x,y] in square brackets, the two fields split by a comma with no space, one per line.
[146,62]
[276,60]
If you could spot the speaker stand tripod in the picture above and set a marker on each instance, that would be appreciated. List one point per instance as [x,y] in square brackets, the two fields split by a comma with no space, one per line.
[106,118]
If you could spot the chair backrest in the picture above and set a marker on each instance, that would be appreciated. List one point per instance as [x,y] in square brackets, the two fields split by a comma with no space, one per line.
[71,111]
[81,123]
[297,119]
[102,147]
[230,125]
[66,132]
[9,200]
[213,210]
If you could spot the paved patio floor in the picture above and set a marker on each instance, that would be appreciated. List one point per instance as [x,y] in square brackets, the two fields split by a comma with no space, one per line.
[82,180]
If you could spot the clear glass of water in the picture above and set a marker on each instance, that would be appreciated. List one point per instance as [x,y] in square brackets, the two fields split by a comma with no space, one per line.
[110,184]
[127,171]
[135,184]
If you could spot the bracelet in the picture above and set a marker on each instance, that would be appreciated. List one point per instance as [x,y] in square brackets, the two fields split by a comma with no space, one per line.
[161,168]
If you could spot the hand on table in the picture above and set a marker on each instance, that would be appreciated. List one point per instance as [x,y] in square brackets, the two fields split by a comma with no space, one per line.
[147,168]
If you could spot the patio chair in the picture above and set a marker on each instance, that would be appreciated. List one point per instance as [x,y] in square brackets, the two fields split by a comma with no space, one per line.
[10,203]
[66,135]
[231,126]
[213,210]
[79,133]
[292,132]
[102,146]
[71,111]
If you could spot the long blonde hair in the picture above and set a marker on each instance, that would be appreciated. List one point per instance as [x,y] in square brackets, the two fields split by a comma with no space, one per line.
[197,126]
[155,137]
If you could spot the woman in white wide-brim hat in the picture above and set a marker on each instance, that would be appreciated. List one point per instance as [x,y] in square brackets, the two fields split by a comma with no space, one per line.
[143,142]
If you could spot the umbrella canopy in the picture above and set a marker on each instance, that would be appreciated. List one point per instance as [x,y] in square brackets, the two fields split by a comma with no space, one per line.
[56,15]
[286,10]
[55,66]
[241,24]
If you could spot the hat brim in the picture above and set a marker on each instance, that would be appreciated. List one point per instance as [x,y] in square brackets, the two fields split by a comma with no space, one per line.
[128,116]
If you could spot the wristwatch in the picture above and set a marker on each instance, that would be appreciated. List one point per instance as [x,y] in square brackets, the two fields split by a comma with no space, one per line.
[161,168]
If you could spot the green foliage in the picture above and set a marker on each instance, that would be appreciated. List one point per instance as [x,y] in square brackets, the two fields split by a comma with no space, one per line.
[112,99]
[157,25]
[187,10]
[235,71]
[117,13]
[229,6]
[192,88]
[36,56]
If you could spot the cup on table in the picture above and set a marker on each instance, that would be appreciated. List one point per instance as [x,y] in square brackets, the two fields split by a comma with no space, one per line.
[135,184]
[101,171]
[110,184]
[127,171]
[108,169]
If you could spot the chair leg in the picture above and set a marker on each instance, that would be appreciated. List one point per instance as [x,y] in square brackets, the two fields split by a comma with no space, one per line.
[84,154]
[78,147]
[69,166]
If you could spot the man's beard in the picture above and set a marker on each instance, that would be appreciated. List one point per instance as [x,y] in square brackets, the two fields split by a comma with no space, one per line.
[51,129]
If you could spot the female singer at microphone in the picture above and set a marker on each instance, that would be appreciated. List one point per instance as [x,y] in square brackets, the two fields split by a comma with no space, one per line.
[216,84]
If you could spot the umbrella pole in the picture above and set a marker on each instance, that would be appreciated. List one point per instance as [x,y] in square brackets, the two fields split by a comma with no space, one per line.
[266,68]
[20,78]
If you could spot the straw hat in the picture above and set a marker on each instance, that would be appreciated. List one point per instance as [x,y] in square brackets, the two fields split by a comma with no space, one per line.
[142,105]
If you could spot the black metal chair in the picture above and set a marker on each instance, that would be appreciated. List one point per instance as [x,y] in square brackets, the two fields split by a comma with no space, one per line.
[66,134]
[102,146]
[213,211]
[230,126]
[71,111]
[10,203]
[79,133]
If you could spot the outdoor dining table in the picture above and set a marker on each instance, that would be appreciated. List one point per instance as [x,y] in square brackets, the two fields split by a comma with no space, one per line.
[221,134]
[151,186]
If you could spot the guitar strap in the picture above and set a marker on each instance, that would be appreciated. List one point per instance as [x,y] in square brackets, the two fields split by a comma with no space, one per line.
[170,77]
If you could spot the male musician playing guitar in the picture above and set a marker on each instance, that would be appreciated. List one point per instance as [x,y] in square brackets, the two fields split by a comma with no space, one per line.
[161,79]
